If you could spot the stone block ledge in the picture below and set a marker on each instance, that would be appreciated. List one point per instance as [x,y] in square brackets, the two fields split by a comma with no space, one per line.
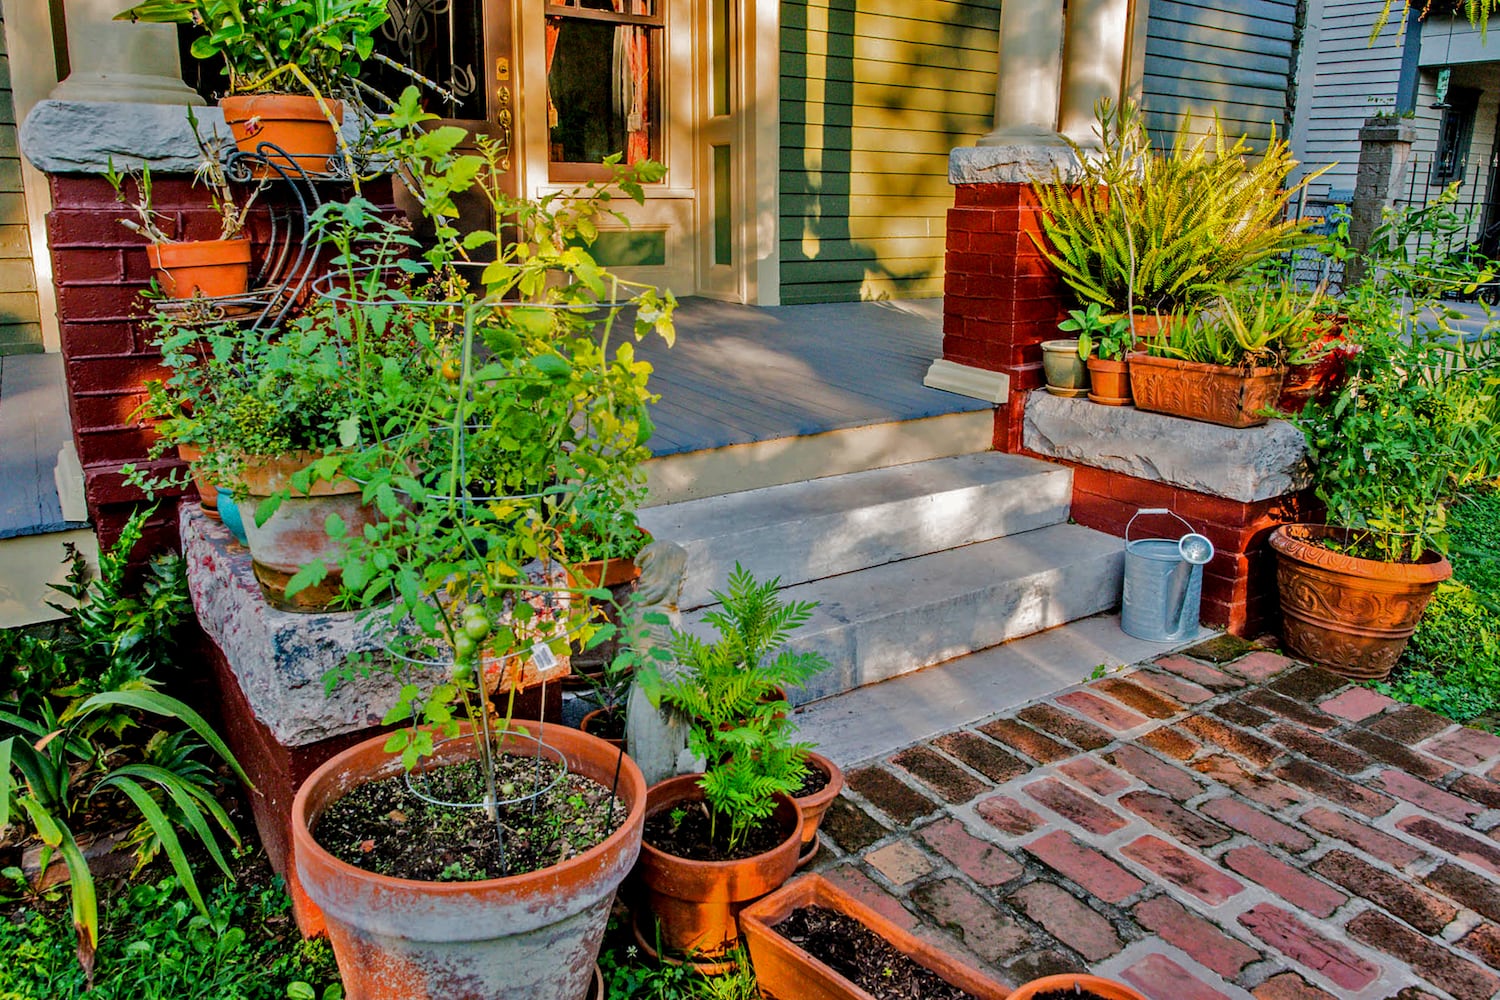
[279,658]
[1247,464]
[1013,164]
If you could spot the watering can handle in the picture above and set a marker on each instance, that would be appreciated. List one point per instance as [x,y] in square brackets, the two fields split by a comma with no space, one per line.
[1147,512]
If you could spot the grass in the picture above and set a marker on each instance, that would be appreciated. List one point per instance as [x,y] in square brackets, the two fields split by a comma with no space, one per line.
[1452,665]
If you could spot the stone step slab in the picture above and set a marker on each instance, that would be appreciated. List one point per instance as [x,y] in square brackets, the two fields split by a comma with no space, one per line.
[898,617]
[826,527]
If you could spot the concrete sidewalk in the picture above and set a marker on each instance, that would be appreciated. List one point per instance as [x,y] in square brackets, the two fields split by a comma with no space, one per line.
[1225,823]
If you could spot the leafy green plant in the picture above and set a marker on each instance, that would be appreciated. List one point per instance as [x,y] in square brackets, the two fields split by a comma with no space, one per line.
[1133,230]
[312,46]
[1111,336]
[729,689]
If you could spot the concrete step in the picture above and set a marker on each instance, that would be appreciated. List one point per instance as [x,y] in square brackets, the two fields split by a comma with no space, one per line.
[826,527]
[895,618]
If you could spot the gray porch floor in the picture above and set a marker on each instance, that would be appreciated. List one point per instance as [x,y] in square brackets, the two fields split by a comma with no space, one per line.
[740,374]
[34,427]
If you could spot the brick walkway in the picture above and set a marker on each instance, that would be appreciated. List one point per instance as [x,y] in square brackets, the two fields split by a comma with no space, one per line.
[1222,824]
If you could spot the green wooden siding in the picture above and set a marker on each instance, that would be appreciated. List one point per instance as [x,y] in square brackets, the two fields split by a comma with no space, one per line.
[1234,59]
[20,320]
[874,94]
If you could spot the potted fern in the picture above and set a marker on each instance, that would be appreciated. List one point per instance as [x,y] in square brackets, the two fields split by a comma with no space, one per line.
[717,841]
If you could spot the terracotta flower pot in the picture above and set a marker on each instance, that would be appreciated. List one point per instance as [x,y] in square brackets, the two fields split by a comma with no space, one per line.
[295,535]
[595,719]
[535,935]
[1067,375]
[201,267]
[1215,394]
[1318,380]
[696,903]
[815,805]
[1351,615]
[293,123]
[786,972]
[1106,989]
[595,573]
[1109,381]
[208,494]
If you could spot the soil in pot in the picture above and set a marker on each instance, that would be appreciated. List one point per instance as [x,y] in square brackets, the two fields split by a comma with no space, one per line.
[605,725]
[686,832]
[814,781]
[387,828]
[863,957]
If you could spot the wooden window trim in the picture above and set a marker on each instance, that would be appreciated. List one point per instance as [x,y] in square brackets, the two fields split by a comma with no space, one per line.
[588,14]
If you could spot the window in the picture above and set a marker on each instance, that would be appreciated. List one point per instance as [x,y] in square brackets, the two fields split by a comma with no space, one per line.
[1454,135]
[604,62]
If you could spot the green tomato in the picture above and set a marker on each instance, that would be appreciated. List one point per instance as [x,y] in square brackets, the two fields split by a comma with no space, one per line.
[463,672]
[476,625]
[464,647]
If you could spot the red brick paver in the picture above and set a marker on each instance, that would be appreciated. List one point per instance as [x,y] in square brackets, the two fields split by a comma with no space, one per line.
[1250,827]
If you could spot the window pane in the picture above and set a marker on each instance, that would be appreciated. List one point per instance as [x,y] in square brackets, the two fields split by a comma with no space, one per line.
[602,87]
[723,214]
[720,15]
[444,41]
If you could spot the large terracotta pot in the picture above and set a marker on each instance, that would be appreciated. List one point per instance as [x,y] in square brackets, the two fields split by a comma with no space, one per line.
[1109,382]
[1108,989]
[1067,375]
[815,805]
[296,535]
[1351,615]
[696,903]
[1216,394]
[785,972]
[208,494]
[201,267]
[293,123]
[535,936]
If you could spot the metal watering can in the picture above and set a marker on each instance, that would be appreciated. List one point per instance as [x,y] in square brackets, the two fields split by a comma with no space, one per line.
[1163,582]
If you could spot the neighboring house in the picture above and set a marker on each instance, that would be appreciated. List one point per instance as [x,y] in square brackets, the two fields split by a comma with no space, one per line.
[1441,73]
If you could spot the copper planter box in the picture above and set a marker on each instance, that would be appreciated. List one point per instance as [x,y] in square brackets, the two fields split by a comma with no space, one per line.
[1217,394]
[786,972]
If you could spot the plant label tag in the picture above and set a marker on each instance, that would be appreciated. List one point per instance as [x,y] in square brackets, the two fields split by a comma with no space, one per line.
[543,659]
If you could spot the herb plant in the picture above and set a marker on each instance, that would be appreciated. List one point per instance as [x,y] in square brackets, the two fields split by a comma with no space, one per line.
[1110,336]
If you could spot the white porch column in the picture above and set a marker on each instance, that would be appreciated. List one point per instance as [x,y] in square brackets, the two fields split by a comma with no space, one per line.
[1093,64]
[120,61]
[1030,74]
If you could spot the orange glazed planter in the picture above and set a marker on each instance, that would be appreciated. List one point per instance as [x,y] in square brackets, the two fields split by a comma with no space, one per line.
[535,936]
[293,123]
[815,805]
[697,903]
[201,267]
[1351,615]
[1105,989]
[786,972]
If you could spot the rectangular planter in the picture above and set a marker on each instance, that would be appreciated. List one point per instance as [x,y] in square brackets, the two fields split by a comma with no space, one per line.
[1218,394]
[786,972]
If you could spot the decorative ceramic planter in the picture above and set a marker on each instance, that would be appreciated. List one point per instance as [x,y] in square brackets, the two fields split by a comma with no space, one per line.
[1351,615]
[1109,382]
[1105,989]
[535,936]
[785,972]
[696,904]
[201,267]
[1215,394]
[1067,375]
[296,535]
[815,805]
[293,123]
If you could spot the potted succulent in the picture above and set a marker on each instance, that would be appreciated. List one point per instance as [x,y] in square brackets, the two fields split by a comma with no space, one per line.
[185,268]
[719,840]
[812,939]
[1411,428]
[287,62]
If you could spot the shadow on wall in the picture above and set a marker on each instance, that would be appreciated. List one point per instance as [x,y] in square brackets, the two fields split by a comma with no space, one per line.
[871,104]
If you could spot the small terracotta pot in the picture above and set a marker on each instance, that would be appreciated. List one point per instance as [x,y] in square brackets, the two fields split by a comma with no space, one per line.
[208,495]
[596,573]
[201,267]
[294,123]
[696,903]
[535,935]
[296,534]
[1109,381]
[815,805]
[1215,394]
[591,719]
[1351,615]
[1106,989]
[786,972]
